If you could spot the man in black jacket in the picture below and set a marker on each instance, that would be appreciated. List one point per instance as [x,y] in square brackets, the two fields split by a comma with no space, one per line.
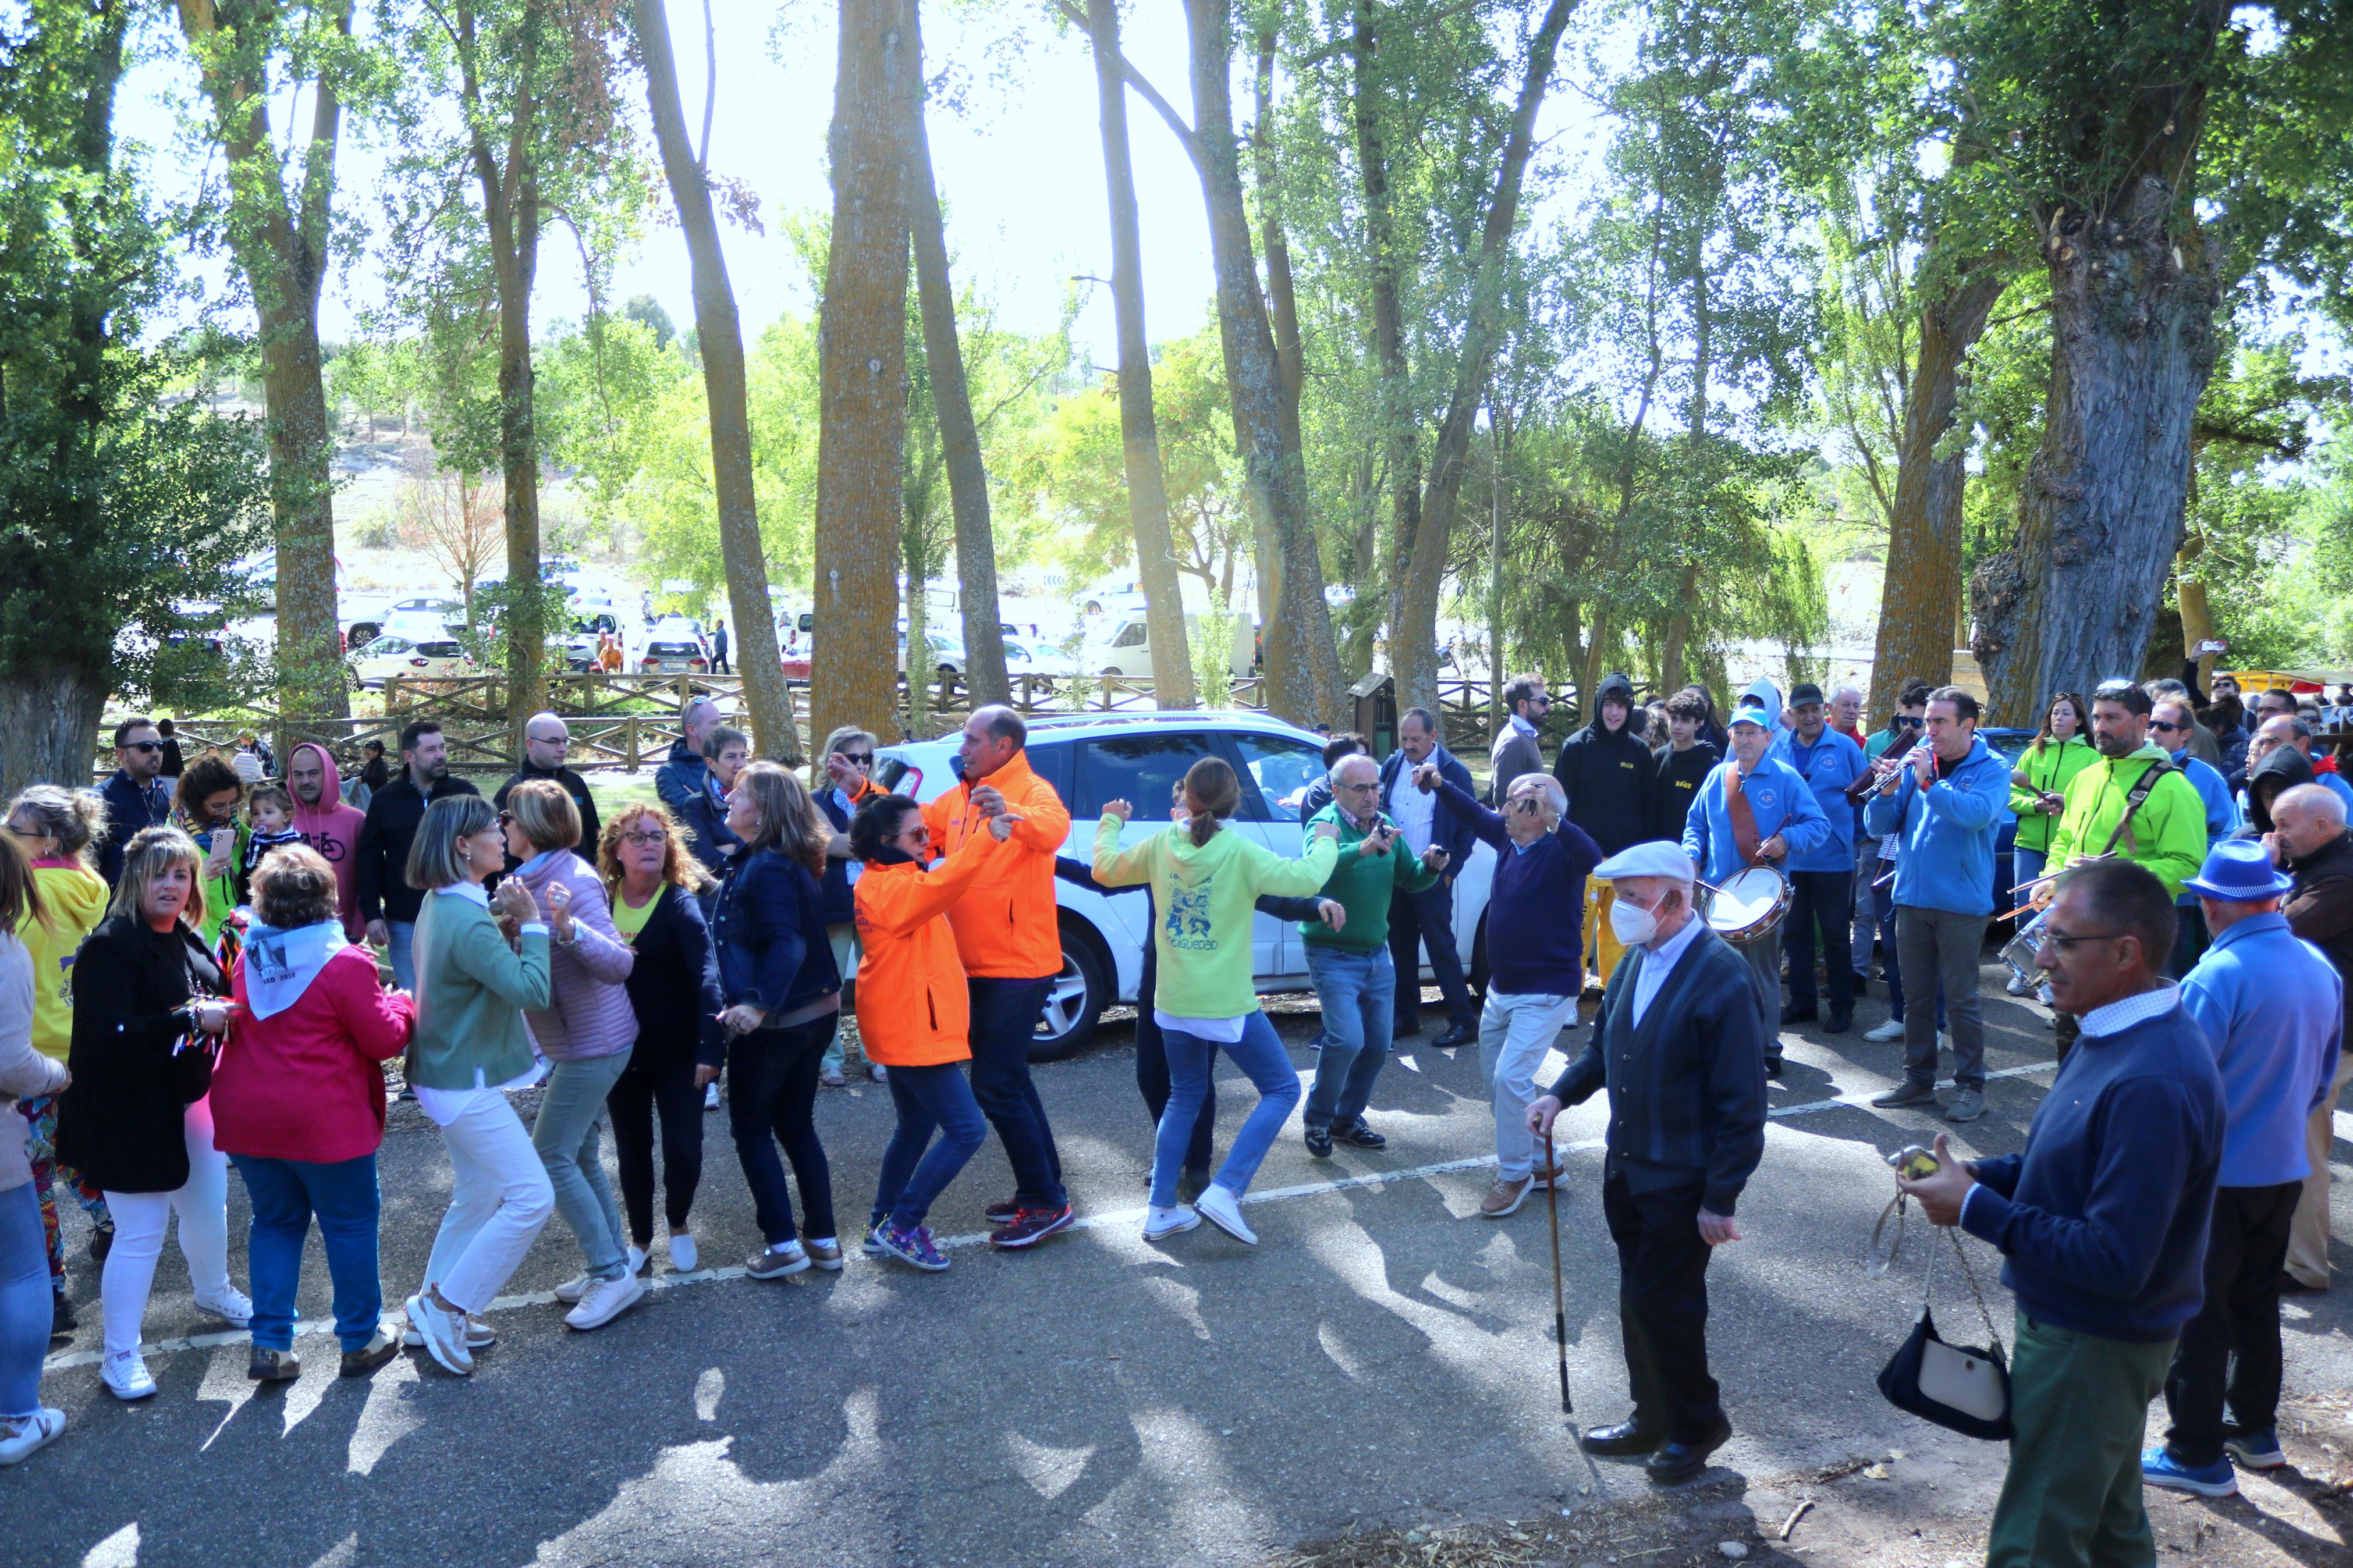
[546,741]
[136,797]
[2309,839]
[1426,918]
[1680,1046]
[1610,778]
[387,902]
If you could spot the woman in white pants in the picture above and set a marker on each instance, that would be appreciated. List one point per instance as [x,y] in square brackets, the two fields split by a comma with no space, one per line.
[148,1015]
[480,963]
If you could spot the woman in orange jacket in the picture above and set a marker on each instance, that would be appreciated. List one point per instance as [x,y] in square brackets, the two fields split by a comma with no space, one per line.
[912,1014]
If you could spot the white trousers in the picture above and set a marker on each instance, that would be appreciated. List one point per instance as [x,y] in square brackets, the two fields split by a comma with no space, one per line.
[499,1200]
[1514,1033]
[140,1219]
[2307,1243]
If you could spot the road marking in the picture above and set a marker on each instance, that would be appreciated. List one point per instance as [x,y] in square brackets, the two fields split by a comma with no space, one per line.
[315,1327]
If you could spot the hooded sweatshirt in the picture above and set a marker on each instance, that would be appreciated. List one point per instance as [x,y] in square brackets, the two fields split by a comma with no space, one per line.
[1947,832]
[74,900]
[301,1076]
[2282,770]
[1203,896]
[2166,836]
[1609,775]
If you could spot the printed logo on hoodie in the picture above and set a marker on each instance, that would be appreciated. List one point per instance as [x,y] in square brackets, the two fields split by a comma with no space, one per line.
[1187,922]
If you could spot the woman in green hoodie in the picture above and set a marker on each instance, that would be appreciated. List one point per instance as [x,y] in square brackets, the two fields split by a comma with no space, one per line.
[1205,882]
[2038,794]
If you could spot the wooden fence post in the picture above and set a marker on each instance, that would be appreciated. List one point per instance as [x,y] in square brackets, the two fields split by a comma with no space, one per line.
[630,742]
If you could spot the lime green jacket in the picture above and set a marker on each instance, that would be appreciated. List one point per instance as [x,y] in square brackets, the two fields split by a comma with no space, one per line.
[2047,768]
[2167,836]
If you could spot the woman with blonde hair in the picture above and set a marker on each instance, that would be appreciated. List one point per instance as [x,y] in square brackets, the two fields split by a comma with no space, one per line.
[783,1002]
[58,830]
[1205,882]
[651,882]
[25,1302]
[136,1120]
[587,1032]
[473,984]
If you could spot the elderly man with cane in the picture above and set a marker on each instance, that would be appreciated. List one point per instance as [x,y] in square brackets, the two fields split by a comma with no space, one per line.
[1679,1045]
[1535,957]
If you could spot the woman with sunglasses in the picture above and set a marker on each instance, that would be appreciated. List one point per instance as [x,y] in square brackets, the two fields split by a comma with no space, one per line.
[2038,794]
[848,769]
[650,881]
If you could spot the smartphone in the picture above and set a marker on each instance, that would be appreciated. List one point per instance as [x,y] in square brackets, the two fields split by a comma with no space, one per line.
[1913,1163]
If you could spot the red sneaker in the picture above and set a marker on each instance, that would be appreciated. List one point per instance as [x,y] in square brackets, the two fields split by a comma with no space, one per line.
[1031,1227]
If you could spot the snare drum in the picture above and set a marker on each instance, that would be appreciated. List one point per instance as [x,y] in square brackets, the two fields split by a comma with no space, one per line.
[1748,905]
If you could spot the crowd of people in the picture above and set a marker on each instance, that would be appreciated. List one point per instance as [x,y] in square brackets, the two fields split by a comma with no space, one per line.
[2189,921]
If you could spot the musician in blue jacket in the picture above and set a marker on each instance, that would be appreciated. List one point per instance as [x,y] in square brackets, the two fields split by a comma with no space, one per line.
[1755,810]
[1822,880]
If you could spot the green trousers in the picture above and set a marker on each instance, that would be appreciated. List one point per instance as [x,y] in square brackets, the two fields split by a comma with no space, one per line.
[2071,1498]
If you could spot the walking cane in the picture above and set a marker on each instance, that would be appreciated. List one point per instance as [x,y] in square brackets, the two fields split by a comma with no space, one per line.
[1559,1311]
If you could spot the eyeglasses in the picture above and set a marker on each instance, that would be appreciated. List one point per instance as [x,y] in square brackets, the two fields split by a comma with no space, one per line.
[2063,940]
[2163,728]
[645,836]
[1359,788]
[919,833]
[142,745]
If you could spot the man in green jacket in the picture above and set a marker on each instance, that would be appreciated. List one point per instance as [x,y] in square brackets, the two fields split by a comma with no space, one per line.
[1349,960]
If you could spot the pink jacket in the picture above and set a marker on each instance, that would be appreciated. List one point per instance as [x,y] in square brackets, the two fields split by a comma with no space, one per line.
[591,1017]
[332,828]
[304,1084]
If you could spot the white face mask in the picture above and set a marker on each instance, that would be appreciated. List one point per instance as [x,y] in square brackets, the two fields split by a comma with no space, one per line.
[1633,925]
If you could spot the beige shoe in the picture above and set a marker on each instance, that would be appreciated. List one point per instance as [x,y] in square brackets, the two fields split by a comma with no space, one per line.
[1505,1197]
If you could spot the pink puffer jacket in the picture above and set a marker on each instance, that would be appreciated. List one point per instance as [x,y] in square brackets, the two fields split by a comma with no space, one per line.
[591,1016]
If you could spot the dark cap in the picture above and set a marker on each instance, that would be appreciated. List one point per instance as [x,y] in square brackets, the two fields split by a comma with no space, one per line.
[1804,692]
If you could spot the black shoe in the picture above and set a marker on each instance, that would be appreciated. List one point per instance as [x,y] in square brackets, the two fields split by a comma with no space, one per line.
[1623,1441]
[1191,1183]
[1319,1142]
[1675,1463]
[1001,1212]
[1797,1013]
[1840,1023]
[61,1316]
[101,1242]
[1773,1066]
[1405,1029]
[1862,985]
[1360,1135]
[1457,1035]
[2289,1284]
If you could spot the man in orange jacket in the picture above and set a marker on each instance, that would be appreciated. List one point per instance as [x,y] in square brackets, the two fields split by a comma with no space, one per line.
[1011,946]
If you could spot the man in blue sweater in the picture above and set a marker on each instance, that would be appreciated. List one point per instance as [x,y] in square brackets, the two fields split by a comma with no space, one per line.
[2272,1008]
[2170,723]
[1535,957]
[1946,813]
[2103,1220]
[1755,810]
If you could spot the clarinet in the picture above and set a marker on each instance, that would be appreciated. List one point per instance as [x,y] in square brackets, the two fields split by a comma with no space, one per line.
[1885,772]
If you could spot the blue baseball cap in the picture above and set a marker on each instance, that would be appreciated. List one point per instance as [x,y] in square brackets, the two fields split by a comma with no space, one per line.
[2240,871]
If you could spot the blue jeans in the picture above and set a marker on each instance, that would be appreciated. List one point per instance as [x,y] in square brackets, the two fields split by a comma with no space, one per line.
[915,1170]
[774,1101]
[1357,991]
[1004,1019]
[2029,864]
[565,1137]
[1260,1055]
[285,1194]
[26,1300]
[403,950]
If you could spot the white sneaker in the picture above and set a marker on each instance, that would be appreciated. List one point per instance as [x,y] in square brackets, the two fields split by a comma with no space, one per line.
[124,1373]
[1890,1031]
[710,1095]
[683,1256]
[1175,1220]
[444,1334]
[1218,1207]
[480,1336]
[606,1299]
[2019,985]
[235,1307]
[641,1261]
[572,1290]
[21,1438]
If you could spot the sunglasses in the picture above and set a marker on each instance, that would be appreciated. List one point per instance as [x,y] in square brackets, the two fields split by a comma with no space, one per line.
[1904,721]
[2163,728]
[860,758]
[506,819]
[143,746]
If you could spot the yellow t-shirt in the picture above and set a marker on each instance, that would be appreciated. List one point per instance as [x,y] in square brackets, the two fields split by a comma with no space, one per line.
[75,902]
[630,921]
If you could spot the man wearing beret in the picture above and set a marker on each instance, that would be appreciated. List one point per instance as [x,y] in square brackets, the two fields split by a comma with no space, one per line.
[1680,1046]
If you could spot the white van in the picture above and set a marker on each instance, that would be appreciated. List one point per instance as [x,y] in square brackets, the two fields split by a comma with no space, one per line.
[1120,645]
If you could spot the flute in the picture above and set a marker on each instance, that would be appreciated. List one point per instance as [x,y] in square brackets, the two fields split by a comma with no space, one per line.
[1884,772]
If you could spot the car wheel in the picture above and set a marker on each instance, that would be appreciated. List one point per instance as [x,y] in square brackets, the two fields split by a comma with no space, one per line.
[1076,997]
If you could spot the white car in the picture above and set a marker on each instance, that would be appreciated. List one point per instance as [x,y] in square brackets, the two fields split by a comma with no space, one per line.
[1091,758]
[418,660]
[947,654]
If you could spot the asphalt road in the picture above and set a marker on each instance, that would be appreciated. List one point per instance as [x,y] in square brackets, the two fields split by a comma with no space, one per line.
[1385,1356]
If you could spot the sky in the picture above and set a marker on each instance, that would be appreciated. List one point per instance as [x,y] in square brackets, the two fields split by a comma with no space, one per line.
[1019,163]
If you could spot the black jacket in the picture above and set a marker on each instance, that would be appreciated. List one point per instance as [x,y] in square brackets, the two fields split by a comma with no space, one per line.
[120,1121]
[2319,908]
[129,811]
[1674,786]
[2274,776]
[769,929]
[840,897]
[1687,1085]
[574,785]
[674,985]
[708,837]
[1609,775]
[394,812]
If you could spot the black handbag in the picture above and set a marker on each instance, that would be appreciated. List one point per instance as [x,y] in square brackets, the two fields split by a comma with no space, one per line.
[1959,1387]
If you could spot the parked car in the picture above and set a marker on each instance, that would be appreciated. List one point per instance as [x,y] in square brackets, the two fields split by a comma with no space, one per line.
[428,660]
[947,655]
[1091,758]
[673,656]
[1120,645]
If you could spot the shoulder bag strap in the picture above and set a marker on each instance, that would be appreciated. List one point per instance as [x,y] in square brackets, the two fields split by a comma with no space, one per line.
[2133,799]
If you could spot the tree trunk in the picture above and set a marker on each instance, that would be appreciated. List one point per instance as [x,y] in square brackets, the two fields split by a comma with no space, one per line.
[281,247]
[975,544]
[1922,581]
[916,564]
[1290,357]
[862,375]
[1311,689]
[49,715]
[1400,426]
[720,335]
[2073,599]
[1415,652]
[1173,684]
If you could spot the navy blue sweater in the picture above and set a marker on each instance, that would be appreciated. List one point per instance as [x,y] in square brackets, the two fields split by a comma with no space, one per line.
[1535,943]
[769,929]
[2104,1216]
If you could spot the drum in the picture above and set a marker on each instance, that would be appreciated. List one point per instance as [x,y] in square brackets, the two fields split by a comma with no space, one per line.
[1748,904]
[2019,950]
